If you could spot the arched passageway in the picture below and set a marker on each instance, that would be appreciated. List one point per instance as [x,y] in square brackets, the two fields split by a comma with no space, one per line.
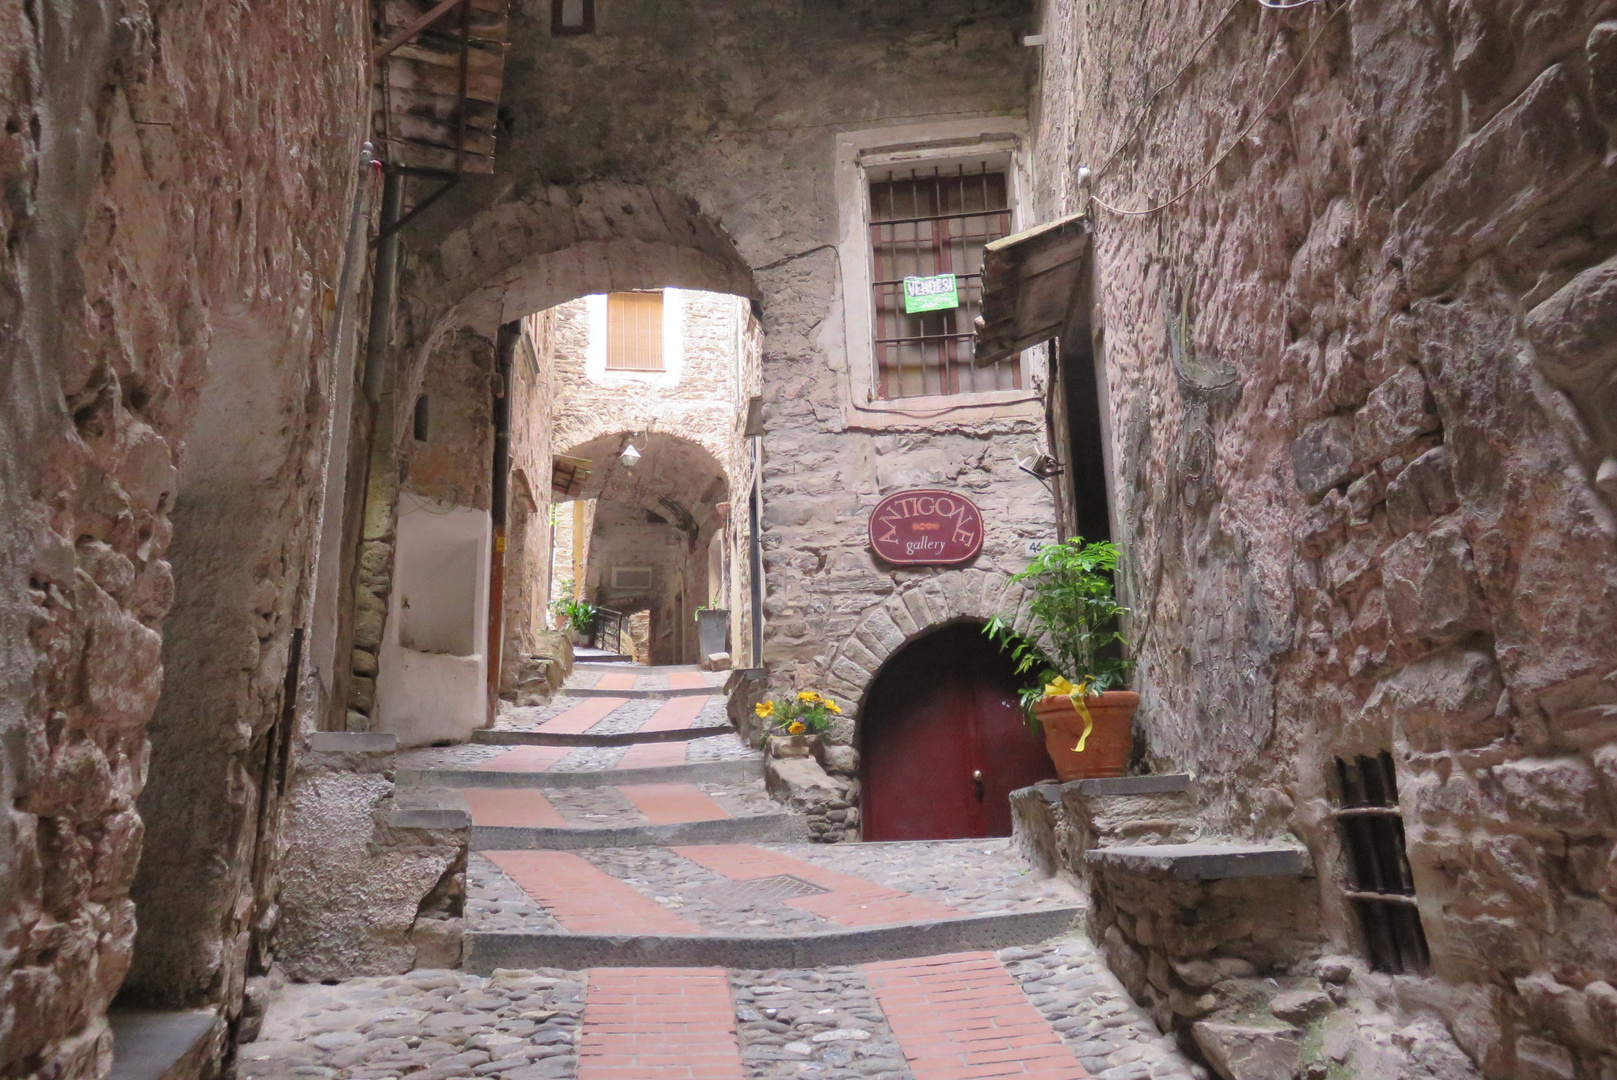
[943,742]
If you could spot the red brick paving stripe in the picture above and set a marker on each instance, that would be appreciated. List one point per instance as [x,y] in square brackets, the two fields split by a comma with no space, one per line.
[676,715]
[668,804]
[586,900]
[852,901]
[652,755]
[525,759]
[583,716]
[616,680]
[659,1024]
[686,680]
[521,807]
[962,1017]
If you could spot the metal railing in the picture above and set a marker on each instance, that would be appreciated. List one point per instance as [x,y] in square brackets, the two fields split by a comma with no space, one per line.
[606,632]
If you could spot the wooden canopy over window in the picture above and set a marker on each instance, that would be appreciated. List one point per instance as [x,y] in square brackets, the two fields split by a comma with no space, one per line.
[568,475]
[1033,283]
[634,331]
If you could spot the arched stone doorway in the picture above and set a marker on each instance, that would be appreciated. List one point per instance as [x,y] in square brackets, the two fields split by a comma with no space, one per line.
[943,742]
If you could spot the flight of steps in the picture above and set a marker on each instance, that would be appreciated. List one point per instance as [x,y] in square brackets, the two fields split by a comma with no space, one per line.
[624,824]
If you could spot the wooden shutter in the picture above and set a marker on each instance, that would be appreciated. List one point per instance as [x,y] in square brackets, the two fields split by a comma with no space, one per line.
[634,331]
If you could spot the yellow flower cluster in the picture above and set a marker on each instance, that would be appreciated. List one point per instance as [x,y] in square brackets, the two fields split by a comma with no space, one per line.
[809,697]
[795,728]
[764,709]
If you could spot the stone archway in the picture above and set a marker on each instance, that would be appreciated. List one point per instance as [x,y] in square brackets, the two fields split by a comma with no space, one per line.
[910,612]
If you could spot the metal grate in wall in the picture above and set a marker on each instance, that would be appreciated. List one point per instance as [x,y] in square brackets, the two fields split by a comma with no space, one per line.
[923,223]
[1382,890]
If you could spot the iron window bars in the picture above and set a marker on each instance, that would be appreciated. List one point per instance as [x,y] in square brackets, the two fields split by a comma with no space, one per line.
[924,224]
[1382,890]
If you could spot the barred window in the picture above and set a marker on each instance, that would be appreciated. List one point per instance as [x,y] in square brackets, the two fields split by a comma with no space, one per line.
[634,331]
[925,223]
[1382,890]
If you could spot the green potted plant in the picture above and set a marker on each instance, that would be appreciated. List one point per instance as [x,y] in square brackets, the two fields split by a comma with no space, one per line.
[1071,646]
[573,615]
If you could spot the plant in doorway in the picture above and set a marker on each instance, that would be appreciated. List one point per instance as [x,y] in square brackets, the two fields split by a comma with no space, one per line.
[796,719]
[1072,647]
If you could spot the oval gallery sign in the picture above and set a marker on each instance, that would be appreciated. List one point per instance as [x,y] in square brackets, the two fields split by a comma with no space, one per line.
[926,528]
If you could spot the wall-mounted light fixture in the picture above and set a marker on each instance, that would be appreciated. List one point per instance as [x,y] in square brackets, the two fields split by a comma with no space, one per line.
[1043,467]
[630,456]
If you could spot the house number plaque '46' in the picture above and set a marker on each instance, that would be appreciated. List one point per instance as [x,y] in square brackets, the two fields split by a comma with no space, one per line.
[926,528]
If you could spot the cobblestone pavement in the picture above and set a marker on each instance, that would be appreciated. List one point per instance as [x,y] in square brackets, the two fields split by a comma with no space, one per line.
[610,806]
[636,677]
[834,1023]
[724,747]
[794,900]
[631,714]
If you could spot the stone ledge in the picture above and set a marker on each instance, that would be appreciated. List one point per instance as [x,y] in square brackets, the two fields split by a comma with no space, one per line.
[152,1045]
[720,771]
[353,742]
[489,737]
[1205,862]
[1165,784]
[486,951]
[752,829]
[643,695]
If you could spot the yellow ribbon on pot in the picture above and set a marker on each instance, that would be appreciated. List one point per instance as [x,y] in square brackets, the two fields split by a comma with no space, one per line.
[1074,693]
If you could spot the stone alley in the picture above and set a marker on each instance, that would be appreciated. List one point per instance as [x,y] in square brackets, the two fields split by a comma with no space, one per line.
[927,539]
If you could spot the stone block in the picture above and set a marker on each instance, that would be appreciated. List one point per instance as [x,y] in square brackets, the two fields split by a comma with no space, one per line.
[1450,698]
[438,942]
[1551,793]
[880,634]
[1601,50]
[1322,456]
[364,662]
[1243,1052]
[362,693]
[1527,155]
[1430,586]
[1205,862]
[838,760]
[1397,413]
[799,780]
[1299,1006]
[1421,493]
[1575,331]
[719,661]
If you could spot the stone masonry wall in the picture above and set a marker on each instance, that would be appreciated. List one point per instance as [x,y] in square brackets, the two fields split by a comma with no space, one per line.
[1360,369]
[163,163]
[688,98]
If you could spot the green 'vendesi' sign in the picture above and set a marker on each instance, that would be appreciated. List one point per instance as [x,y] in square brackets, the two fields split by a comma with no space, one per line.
[936,293]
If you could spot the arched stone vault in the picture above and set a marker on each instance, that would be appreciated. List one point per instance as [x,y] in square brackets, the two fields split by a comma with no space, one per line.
[549,244]
[915,609]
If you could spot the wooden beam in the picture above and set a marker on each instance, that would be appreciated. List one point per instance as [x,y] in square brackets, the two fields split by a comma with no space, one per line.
[443,8]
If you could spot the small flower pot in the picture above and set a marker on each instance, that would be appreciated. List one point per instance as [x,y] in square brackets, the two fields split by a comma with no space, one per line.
[1106,753]
[792,746]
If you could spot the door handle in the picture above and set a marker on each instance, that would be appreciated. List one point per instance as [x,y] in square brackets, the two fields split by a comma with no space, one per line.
[977,779]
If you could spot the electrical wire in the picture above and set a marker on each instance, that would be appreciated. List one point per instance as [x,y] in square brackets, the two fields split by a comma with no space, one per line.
[1241,136]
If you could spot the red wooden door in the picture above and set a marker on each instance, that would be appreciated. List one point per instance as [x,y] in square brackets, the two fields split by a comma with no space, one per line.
[943,742]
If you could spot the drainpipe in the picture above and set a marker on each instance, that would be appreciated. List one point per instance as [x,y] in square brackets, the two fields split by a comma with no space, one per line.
[378,373]
[755,554]
[505,347]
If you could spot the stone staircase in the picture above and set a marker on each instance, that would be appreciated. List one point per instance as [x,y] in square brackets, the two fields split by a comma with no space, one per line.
[626,823]
[637,905]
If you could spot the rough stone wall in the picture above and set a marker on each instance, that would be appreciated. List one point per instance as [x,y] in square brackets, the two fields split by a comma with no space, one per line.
[163,163]
[455,464]
[528,536]
[1360,374]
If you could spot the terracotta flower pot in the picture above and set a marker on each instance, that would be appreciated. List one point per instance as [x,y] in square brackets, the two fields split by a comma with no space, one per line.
[1107,751]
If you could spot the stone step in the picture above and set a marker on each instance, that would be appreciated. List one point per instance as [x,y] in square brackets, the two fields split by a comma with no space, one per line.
[593,667]
[488,950]
[584,654]
[725,770]
[758,828]
[152,1045]
[496,737]
[655,695]
[1207,861]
